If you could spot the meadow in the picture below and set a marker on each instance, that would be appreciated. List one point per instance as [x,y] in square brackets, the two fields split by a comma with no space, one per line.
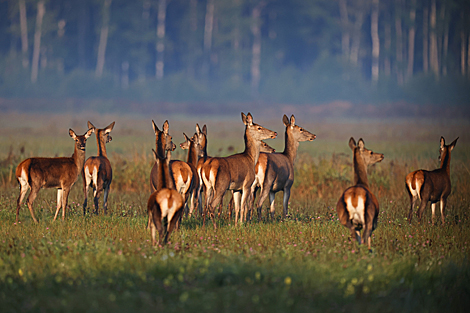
[304,263]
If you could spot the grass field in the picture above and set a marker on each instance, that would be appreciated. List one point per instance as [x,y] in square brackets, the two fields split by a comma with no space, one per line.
[305,263]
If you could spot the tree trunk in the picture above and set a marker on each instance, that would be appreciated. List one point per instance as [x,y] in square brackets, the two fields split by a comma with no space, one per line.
[208,29]
[103,39]
[37,41]
[374,30]
[24,33]
[463,47]
[145,26]
[161,17]
[425,39]
[468,55]
[399,43]
[356,37]
[433,41]
[345,35]
[411,40]
[192,41]
[256,48]
[445,39]
[387,45]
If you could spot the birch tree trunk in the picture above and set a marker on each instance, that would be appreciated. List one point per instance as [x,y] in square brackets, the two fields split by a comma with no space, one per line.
[399,43]
[208,30]
[445,39]
[145,27]
[103,39]
[37,41]
[374,30]
[356,37]
[256,48]
[345,34]
[24,33]
[411,40]
[425,39]
[433,56]
[160,46]
[387,46]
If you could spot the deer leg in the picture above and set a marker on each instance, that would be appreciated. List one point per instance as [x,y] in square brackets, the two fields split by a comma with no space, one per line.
[422,207]
[105,200]
[263,194]
[237,196]
[87,181]
[272,196]
[443,208]
[243,204]
[413,200]
[31,198]
[65,197]
[60,194]
[23,190]
[285,202]
[97,195]
[433,212]
[172,224]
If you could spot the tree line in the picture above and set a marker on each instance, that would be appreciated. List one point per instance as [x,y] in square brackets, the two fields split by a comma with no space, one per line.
[289,51]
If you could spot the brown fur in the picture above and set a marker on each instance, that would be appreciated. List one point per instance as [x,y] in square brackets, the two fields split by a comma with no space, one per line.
[431,186]
[275,171]
[357,207]
[235,172]
[60,173]
[165,202]
[101,165]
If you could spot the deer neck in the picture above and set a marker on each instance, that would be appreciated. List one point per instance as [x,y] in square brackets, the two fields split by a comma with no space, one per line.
[192,155]
[78,157]
[290,147]
[163,174]
[445,162]
[252,148]
[101,143]
[360,171]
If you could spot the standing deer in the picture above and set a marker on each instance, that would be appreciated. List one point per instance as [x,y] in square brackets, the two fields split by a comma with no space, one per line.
[180,172]
[235,172]
[97,171]
[358,208]
[165,205]
[275,171]
[431,186]
[60,173]
[194,153]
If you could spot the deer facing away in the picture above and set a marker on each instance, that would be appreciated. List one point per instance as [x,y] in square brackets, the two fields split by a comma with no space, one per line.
[275,171]
[235,172]
[433,186]
[97,171]
[165,205]
[61,173]
[358,208]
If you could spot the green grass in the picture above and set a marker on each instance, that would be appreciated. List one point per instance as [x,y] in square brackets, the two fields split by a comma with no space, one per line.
[305,263]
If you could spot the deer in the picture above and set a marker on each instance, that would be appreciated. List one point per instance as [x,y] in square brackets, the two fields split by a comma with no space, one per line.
[165,205]
[181,172]
[235,172]
[275,171]
[431,186]
[199,154]
[59,172]
[97,171]
[358,208]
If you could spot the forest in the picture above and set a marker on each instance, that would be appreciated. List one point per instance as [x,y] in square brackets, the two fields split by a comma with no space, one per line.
[234,51]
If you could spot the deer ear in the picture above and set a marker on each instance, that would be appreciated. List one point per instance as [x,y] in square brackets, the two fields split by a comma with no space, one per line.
[186,137]
[89,132]
[249,118]
[155,155]
[204,129]
[285,120]
[90,125]
[292,120]
[72,134]
[443,142]
[198,130]
[352,143]
[361,144]
[155,127]
[166,127]
[109,128]
[452,145]
[243,118]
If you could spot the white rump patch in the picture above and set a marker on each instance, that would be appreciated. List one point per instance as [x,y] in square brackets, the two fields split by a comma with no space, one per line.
[23,179]
[356,213]
[414,192]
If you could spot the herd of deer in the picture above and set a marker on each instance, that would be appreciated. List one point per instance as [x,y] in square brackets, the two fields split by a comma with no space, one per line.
[176,183]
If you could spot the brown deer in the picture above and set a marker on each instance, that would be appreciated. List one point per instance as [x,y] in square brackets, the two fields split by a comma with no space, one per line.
[97,171]
[275,171]
[431,186]
[60,173]
[165,205]
[235,172]
[358,208]
[181,173]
